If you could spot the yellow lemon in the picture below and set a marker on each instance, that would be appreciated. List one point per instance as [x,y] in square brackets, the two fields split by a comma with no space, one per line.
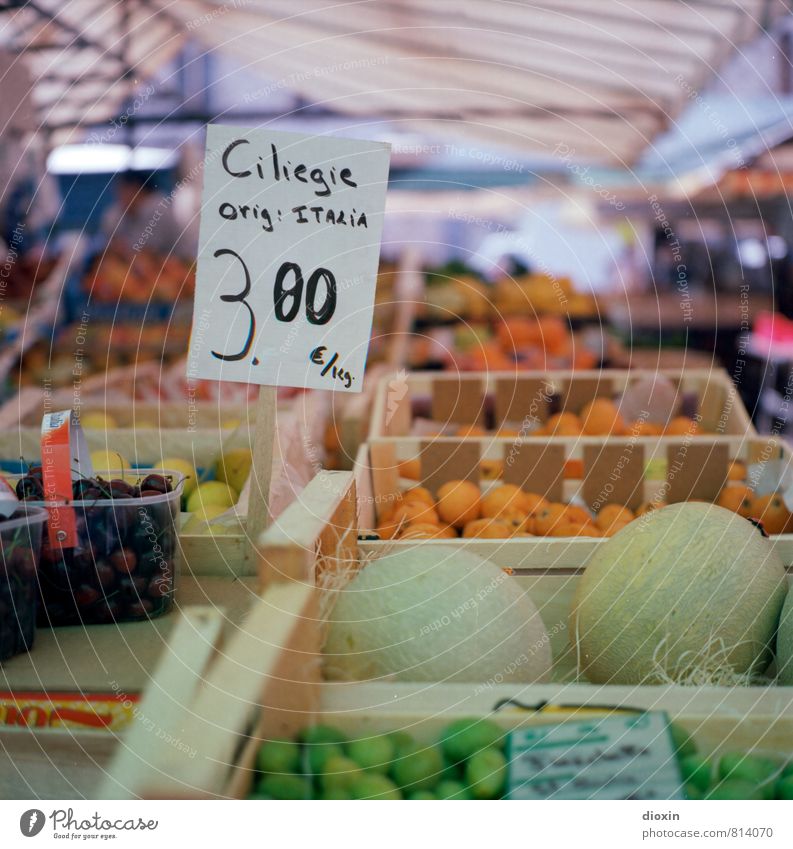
[97,420]
[233,467]
[211,493]
[176,464]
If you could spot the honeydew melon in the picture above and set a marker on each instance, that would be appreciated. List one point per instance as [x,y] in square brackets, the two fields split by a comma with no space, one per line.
[784,643]
[691,593]
[436,614]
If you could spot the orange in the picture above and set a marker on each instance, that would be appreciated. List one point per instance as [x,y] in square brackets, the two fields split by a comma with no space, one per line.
[419,493]
[548,518]
[508,432]
[415,512]
[738,498]
[427,531]
[641,428]
[771,511]
[470,430]
[648,507]
[584,359]
[601,417]
[681,426]
[577,515]
[459,502]
[573,469]
[554,334]
[491,470]
[613,514]
[574,529]
[504,499]
[487,529]
[563,424]
[533,502]
[736,471]
[410,469]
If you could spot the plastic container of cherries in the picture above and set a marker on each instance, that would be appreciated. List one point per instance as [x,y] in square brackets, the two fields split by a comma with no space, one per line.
[122,567]
[20,547]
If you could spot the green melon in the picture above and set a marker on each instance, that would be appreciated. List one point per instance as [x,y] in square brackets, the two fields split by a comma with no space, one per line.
[436,613]
[784,643]
[685,591]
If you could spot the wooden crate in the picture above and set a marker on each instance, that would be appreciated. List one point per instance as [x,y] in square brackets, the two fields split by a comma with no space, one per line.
[207,662]
[614,470]
[296,459]
[266,682]
[292,693]
[115,662]
[28,407]
[495,399]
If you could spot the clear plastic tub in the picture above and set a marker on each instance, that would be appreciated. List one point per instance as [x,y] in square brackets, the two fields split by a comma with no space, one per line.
[122,568]
[20,547]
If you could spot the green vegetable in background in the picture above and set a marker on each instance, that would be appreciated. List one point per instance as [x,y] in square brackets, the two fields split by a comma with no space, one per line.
[278,756]
[417,767]
[486,773]
[374,786]
[697,771]
[465,737]
[373,754]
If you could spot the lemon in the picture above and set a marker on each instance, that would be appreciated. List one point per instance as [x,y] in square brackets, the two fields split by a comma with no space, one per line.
[211,493]
[97,420]
[175,464]
[108,461]
[198,523]
[233,467]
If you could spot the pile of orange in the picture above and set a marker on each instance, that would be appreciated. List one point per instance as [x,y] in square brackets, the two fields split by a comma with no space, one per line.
[769,509]
[461,509]
[602,417]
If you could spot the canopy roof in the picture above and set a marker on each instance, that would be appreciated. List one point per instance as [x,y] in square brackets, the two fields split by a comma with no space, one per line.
[600,77]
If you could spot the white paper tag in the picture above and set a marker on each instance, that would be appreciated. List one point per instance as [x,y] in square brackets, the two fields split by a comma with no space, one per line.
[287,264]
[616,757]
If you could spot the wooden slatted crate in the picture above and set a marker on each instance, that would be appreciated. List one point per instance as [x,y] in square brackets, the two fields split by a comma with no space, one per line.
[523,399]
[628,471]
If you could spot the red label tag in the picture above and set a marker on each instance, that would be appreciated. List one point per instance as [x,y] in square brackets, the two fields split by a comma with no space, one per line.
[64,457]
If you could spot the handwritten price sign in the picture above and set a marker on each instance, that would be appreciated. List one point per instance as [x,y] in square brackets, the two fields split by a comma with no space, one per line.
[287,262]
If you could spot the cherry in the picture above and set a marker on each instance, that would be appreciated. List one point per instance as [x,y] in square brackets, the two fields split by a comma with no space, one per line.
[124,560]
[160,483]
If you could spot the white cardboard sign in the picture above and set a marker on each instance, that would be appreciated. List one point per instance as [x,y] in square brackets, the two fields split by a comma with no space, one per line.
[287,261]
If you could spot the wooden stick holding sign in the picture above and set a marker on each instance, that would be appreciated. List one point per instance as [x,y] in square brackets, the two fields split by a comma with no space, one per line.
[287,268]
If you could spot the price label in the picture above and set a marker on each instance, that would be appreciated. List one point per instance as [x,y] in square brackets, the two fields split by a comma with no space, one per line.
[287,263]
[616,757]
